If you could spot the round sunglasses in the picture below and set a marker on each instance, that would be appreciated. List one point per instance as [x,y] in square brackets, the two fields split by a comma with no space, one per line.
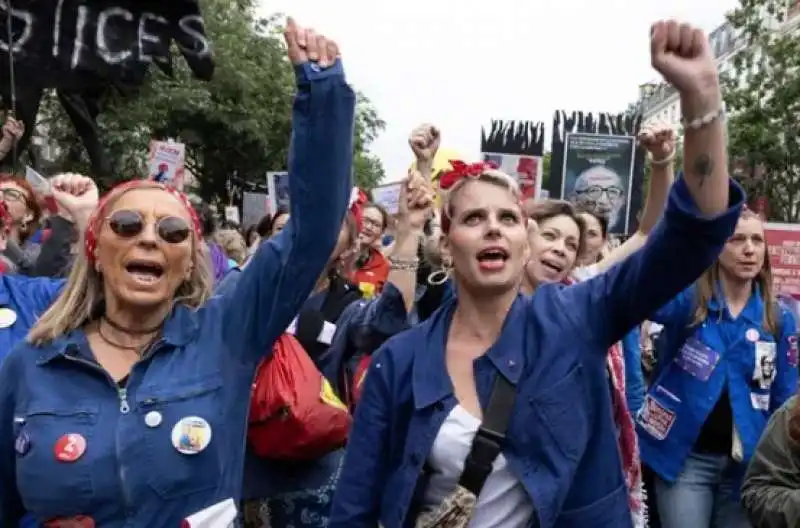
[128,224]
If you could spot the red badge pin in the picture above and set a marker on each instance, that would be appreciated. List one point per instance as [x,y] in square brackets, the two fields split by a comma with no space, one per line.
[81,521]
[70,447]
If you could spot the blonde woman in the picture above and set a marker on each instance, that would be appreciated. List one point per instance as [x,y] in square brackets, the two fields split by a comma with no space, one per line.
[728,361]
[128,403]
[233,244]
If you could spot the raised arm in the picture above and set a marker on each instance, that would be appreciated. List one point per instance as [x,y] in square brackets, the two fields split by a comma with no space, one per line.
[281,274]
[659,140]
[702,210]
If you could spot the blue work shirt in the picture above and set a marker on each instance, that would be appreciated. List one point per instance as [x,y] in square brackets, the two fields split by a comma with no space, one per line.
[132,473]
[27,297]
[698,363]
[561,442]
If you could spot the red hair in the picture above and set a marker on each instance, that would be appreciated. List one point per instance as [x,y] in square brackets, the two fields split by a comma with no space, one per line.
[31,200]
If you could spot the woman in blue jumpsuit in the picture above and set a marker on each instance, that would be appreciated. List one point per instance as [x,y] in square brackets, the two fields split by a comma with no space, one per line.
[128,404]
[729,360]
[560,466]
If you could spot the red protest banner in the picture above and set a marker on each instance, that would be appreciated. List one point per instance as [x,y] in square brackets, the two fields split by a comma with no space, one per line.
[783,248]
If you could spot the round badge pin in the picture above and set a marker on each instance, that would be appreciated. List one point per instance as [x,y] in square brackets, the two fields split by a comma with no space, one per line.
[7,317]
[191,435]
[70,447]
[752,335]
[153,419]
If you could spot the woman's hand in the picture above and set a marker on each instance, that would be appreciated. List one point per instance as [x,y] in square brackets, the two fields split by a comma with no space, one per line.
[305,45]
[424,142]
[658,138]
[76,196]
[682,55]
[13,130]
[414,204]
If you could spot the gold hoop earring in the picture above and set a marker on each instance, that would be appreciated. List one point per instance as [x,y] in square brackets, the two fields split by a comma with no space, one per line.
[441,275]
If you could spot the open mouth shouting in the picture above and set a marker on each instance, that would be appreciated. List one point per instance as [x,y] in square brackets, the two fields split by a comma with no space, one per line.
[553,269]
[492,258]
[145,272]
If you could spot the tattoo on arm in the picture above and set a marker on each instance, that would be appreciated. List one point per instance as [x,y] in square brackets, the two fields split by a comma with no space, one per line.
[703,168]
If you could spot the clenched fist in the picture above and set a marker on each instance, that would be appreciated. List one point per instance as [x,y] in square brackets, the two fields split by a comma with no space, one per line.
[682,55]
[305,45]
[658,138]
[424,142]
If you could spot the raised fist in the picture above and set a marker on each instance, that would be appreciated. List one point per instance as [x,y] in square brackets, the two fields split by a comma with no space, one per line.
[13,130]
[424,142]
[305,45]
[658,138]
[682,55]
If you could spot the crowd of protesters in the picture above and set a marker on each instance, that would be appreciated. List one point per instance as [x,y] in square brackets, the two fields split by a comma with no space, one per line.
[492,364]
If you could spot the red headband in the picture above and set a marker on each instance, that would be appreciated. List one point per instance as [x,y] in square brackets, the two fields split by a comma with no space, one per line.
[97,218]
[461,170]
[5,218]
[358,199]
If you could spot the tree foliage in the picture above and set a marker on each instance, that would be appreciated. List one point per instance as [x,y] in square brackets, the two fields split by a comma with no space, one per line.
[236,127]
[762,96]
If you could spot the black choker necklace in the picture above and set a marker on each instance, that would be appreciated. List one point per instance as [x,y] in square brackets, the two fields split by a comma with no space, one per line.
[118,327]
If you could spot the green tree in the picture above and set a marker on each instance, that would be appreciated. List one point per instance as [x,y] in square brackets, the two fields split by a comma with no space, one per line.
[762,95]
[546,168]
[236,127]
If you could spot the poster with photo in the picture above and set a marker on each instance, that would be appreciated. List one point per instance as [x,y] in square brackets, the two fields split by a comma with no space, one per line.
[598,174]
[165,163]
[526,169]
[278,191]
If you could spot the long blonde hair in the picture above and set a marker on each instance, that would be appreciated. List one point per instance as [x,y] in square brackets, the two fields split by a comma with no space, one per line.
[706,290]
[83,294]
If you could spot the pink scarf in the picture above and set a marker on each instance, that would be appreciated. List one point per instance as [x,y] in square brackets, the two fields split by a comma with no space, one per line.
[626,432]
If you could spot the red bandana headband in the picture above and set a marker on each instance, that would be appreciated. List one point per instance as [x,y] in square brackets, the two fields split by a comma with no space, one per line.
[5,218]
[358,199]
[98,216]
[458,172]
[461,170]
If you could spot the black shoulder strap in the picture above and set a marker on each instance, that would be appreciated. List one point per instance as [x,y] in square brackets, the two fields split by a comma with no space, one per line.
[491,436]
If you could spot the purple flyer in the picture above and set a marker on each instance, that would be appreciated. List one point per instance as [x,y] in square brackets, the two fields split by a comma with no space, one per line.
[697,359]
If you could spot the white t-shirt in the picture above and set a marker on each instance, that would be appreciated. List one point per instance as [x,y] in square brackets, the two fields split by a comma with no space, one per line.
[503,502]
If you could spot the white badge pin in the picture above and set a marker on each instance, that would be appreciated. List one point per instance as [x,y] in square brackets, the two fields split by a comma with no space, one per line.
[752,335]
[153,419]
[7,317]
[191,435]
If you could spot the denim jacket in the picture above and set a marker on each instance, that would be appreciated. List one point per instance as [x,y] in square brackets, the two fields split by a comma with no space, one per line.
[561,441]
[758,369]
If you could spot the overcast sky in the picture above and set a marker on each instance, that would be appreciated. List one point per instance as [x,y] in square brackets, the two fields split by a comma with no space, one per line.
[460,64]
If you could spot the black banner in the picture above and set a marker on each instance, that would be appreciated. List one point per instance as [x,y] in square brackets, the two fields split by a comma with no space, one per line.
[72,43]
[602,125]
[83,48]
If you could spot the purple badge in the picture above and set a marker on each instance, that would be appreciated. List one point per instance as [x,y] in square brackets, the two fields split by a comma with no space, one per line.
[22,444]
[697,359]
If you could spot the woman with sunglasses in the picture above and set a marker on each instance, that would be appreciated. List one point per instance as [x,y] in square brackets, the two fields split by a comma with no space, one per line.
[128,402]
[557,461]
[25,213]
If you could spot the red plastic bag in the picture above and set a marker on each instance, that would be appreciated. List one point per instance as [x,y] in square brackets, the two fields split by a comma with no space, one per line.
[294,413]
[358,378]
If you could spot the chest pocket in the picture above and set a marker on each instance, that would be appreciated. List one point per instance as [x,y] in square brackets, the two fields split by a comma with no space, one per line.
[47,485]
[183,436]
[558,413]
